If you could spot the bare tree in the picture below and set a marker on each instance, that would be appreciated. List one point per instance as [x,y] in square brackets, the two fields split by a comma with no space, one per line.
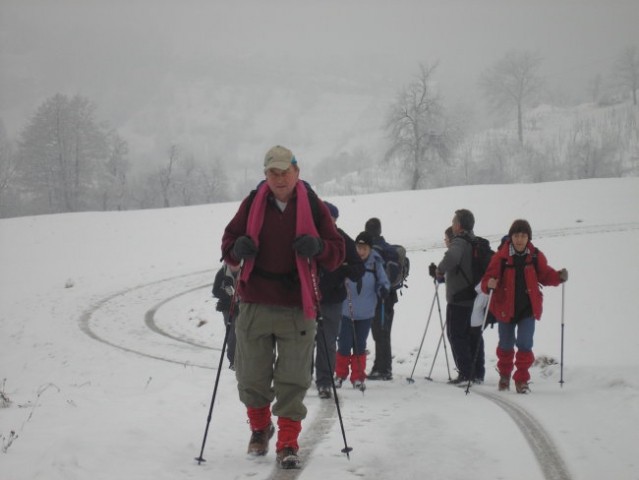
[512,82]
[7,167]
[419,135]
[60,153]
[214,182]
[626,70]
[116,169]
[166,176]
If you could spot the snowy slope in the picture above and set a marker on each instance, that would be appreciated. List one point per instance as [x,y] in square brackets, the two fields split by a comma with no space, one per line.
[109,375]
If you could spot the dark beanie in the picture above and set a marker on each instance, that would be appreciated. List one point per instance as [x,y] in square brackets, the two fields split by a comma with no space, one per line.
[373,226]
[365,238]
[333,209]
[520,226]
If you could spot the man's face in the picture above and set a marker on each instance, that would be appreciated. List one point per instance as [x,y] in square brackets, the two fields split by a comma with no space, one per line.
[282,182]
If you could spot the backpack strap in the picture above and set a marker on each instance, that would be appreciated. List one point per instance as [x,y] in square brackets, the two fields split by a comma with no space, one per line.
[461,270]
[534,263]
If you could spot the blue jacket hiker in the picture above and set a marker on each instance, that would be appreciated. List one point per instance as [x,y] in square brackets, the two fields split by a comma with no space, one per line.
[358,311]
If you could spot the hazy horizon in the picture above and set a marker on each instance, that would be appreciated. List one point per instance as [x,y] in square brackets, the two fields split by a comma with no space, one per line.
[160,70]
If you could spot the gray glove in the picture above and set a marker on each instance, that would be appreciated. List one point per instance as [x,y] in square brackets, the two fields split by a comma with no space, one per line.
[563,275]
[244,248]
[307,246]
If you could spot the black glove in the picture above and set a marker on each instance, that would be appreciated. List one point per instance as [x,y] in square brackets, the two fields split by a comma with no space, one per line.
[223,304]
[432,270]
[244,248]
[383,293]
[307,246]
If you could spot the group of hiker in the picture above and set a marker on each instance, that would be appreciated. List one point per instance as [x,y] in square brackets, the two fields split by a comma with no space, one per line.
[300,296]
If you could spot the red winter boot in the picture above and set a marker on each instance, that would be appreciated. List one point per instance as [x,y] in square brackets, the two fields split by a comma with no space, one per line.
[358,371]
[505,367]
[261,430]
[523,361]
[287,447]
[342,363]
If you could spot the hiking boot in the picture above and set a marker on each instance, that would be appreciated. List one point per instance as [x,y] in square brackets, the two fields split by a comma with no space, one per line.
[258,445]
[522,387]
[375,375]
[359,385]
[504,383]
[338,382]
[287,458]
[324,392]
[460,379]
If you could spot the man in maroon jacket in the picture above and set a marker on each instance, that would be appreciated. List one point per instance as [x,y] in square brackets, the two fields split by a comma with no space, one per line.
[280,234]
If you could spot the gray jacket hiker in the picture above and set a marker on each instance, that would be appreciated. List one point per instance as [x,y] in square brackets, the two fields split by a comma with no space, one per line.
[456,258]
[457,268]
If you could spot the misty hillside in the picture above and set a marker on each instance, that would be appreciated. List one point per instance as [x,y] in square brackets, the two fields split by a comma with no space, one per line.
[583,141]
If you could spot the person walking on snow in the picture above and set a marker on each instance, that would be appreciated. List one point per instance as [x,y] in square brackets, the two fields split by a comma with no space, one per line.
[333,292]
[358,311]
[515,273]
[281,243]
[455,268]
[382,368]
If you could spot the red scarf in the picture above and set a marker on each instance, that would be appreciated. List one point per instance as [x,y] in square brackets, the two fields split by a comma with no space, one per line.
[307,270]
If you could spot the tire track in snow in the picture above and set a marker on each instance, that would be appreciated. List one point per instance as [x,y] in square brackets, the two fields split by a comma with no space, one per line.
[541,444]
[114,322]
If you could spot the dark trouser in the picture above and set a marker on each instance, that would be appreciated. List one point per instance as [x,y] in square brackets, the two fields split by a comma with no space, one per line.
[326,339]
[477,350]
[381,330]
[458,330]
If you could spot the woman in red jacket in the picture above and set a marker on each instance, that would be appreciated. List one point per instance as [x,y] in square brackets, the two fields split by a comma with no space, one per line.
[514,274]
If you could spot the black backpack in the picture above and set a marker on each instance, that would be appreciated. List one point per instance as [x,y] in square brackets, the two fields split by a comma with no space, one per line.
[481,253]
[396,264]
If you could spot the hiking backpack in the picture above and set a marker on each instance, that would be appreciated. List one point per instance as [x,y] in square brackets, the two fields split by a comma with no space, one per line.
[481,253]
[396,264]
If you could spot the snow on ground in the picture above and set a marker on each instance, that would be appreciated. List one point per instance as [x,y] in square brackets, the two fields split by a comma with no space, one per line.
[109,376]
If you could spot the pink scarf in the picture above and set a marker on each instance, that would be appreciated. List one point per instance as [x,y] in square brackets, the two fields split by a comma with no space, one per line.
[307,270]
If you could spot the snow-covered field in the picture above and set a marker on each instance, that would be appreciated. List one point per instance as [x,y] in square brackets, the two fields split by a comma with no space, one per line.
[109,376]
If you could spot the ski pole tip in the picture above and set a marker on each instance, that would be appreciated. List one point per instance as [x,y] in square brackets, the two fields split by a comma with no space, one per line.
[199,460]
[410,380]
[347,451]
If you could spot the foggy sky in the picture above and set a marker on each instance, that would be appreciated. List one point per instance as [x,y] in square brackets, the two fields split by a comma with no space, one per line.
[121,53]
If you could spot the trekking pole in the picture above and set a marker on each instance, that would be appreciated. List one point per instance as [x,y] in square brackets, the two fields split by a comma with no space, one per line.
[201,459]
[320,321]
[561,364]
[481,340]
[419,351]
[442,339]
